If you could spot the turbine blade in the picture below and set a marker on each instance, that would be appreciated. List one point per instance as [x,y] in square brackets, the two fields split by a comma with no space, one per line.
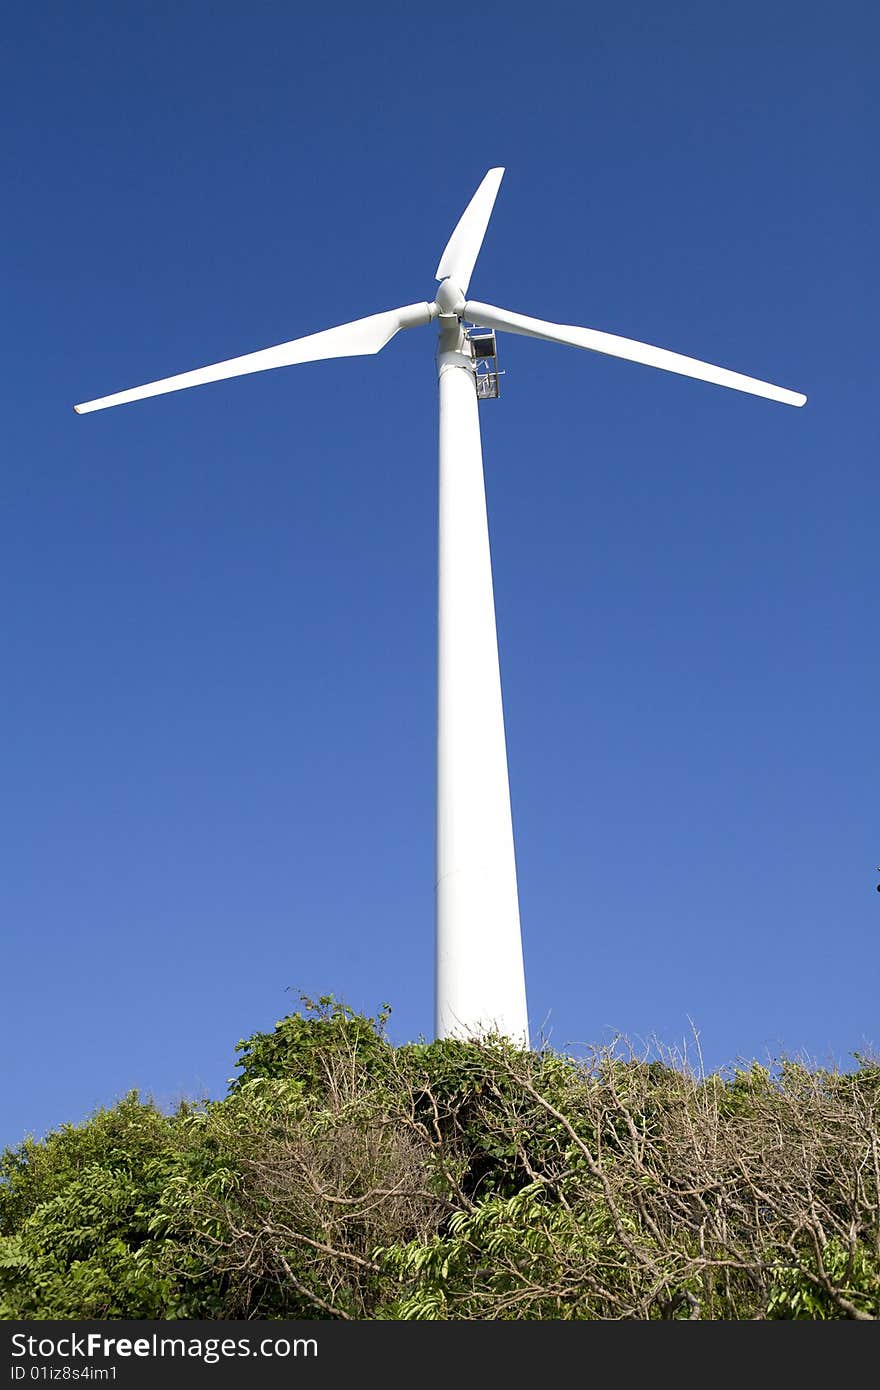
[594,341]
[356,339]
[463,247]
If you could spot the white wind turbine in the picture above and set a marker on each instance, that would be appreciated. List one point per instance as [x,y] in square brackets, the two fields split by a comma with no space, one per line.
[480,982]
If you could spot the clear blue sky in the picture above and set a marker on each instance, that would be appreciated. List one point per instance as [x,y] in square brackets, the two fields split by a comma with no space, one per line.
[218,635]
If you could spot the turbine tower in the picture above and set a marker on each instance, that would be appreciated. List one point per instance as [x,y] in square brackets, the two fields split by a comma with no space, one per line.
[479,977]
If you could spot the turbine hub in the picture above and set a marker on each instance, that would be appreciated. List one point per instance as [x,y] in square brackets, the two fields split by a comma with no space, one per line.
[450,299]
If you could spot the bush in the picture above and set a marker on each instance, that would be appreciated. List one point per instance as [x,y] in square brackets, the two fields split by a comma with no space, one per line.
[344,1178]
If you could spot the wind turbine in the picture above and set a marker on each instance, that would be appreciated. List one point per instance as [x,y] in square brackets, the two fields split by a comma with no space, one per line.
[479,981]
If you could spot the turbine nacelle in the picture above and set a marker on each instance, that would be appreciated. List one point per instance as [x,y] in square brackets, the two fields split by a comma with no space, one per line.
[450,299]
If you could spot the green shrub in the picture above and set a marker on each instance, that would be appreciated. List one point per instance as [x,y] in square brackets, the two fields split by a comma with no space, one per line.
[342,1177]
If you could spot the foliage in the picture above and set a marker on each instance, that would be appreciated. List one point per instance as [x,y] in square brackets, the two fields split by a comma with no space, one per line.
[74,1218]
[308,1047]
[342,1177]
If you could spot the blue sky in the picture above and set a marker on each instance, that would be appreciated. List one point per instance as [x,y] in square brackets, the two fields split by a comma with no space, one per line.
[218,641]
